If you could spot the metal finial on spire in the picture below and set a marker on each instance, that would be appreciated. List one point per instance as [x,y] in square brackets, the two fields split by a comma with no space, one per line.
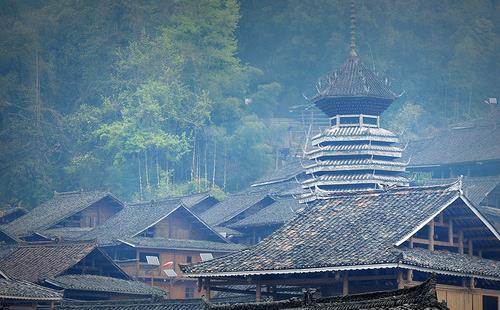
[353,29]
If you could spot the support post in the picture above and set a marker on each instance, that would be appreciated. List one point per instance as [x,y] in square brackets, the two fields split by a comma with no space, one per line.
[258,292]
[472,282]
[461,242]
[345,284]
[411,242]
[400,279]
[431,235]
[409,276]
[470,250]
[450,232]
[207,289]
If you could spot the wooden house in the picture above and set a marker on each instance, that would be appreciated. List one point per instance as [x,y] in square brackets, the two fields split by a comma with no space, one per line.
[38,261]
[95,287]
[149,240]
[66,216]
[470,148]
[24,295]
[10,214]
[372,241]
[421,297]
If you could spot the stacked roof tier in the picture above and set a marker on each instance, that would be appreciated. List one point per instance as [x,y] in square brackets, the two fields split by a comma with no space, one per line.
[353,158]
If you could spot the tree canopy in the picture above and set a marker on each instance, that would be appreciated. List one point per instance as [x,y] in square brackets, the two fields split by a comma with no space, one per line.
[158,98]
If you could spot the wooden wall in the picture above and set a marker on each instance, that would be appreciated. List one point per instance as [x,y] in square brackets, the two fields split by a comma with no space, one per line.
[177,226]
[458,298]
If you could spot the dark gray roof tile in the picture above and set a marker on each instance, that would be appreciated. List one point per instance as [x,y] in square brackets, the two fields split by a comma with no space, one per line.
[95,283]
[61,206]
[164,243]
[24,290]
[351,229]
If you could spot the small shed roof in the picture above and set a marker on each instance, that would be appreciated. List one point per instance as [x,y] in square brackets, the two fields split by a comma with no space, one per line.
[26,291]
[94,283]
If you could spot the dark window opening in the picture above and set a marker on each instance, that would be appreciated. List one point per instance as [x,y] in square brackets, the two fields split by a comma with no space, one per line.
[142,256]
[490,302]
[189,292]
[333,122]
[150,232]
[370,120]
[349,120]
[189,259]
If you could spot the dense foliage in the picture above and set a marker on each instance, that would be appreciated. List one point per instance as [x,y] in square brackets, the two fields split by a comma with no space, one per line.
[151,99]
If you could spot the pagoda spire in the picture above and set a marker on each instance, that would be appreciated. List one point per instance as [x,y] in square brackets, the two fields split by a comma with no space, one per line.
[353,30]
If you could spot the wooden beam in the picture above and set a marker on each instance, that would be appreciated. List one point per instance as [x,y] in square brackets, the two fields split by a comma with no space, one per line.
[483,239]
[436,242]
[475,228]
[307,282]
[345,284]
[464,218]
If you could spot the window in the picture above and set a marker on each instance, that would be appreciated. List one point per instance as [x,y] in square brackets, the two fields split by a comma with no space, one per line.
[189,292]
[490,302]
[350,120]
[150,232]
[370,120]
[142,256]
[189,259]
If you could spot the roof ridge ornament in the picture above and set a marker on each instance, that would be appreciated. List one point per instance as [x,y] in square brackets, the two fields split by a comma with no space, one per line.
[353,52]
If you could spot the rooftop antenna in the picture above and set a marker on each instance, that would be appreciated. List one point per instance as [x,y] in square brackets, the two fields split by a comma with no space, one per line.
[353,30]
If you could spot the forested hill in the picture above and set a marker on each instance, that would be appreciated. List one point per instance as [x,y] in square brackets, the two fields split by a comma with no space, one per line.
[150,99]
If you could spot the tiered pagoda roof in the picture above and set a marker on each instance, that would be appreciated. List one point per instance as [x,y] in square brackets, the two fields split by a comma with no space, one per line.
[354,89]
[354,153]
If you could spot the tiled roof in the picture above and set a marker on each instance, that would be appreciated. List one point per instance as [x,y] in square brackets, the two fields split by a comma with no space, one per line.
[6,238]
[355,164]
[226,231]
[33,262]
[423,296]
[492,215]
[354,79]
[24,290]
[476,189]
[354,89]
[65,233]
[344,231]
[356,149]
[131,220]
[191,200]
[354,178]
[135,304]
[451,262]
[104,284]
[288,171]
[164,243]
[61,206]
[475,143]
[279,212]
[354,133]
[231,207]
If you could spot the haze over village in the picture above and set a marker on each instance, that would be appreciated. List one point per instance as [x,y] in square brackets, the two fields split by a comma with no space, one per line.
[250,155]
